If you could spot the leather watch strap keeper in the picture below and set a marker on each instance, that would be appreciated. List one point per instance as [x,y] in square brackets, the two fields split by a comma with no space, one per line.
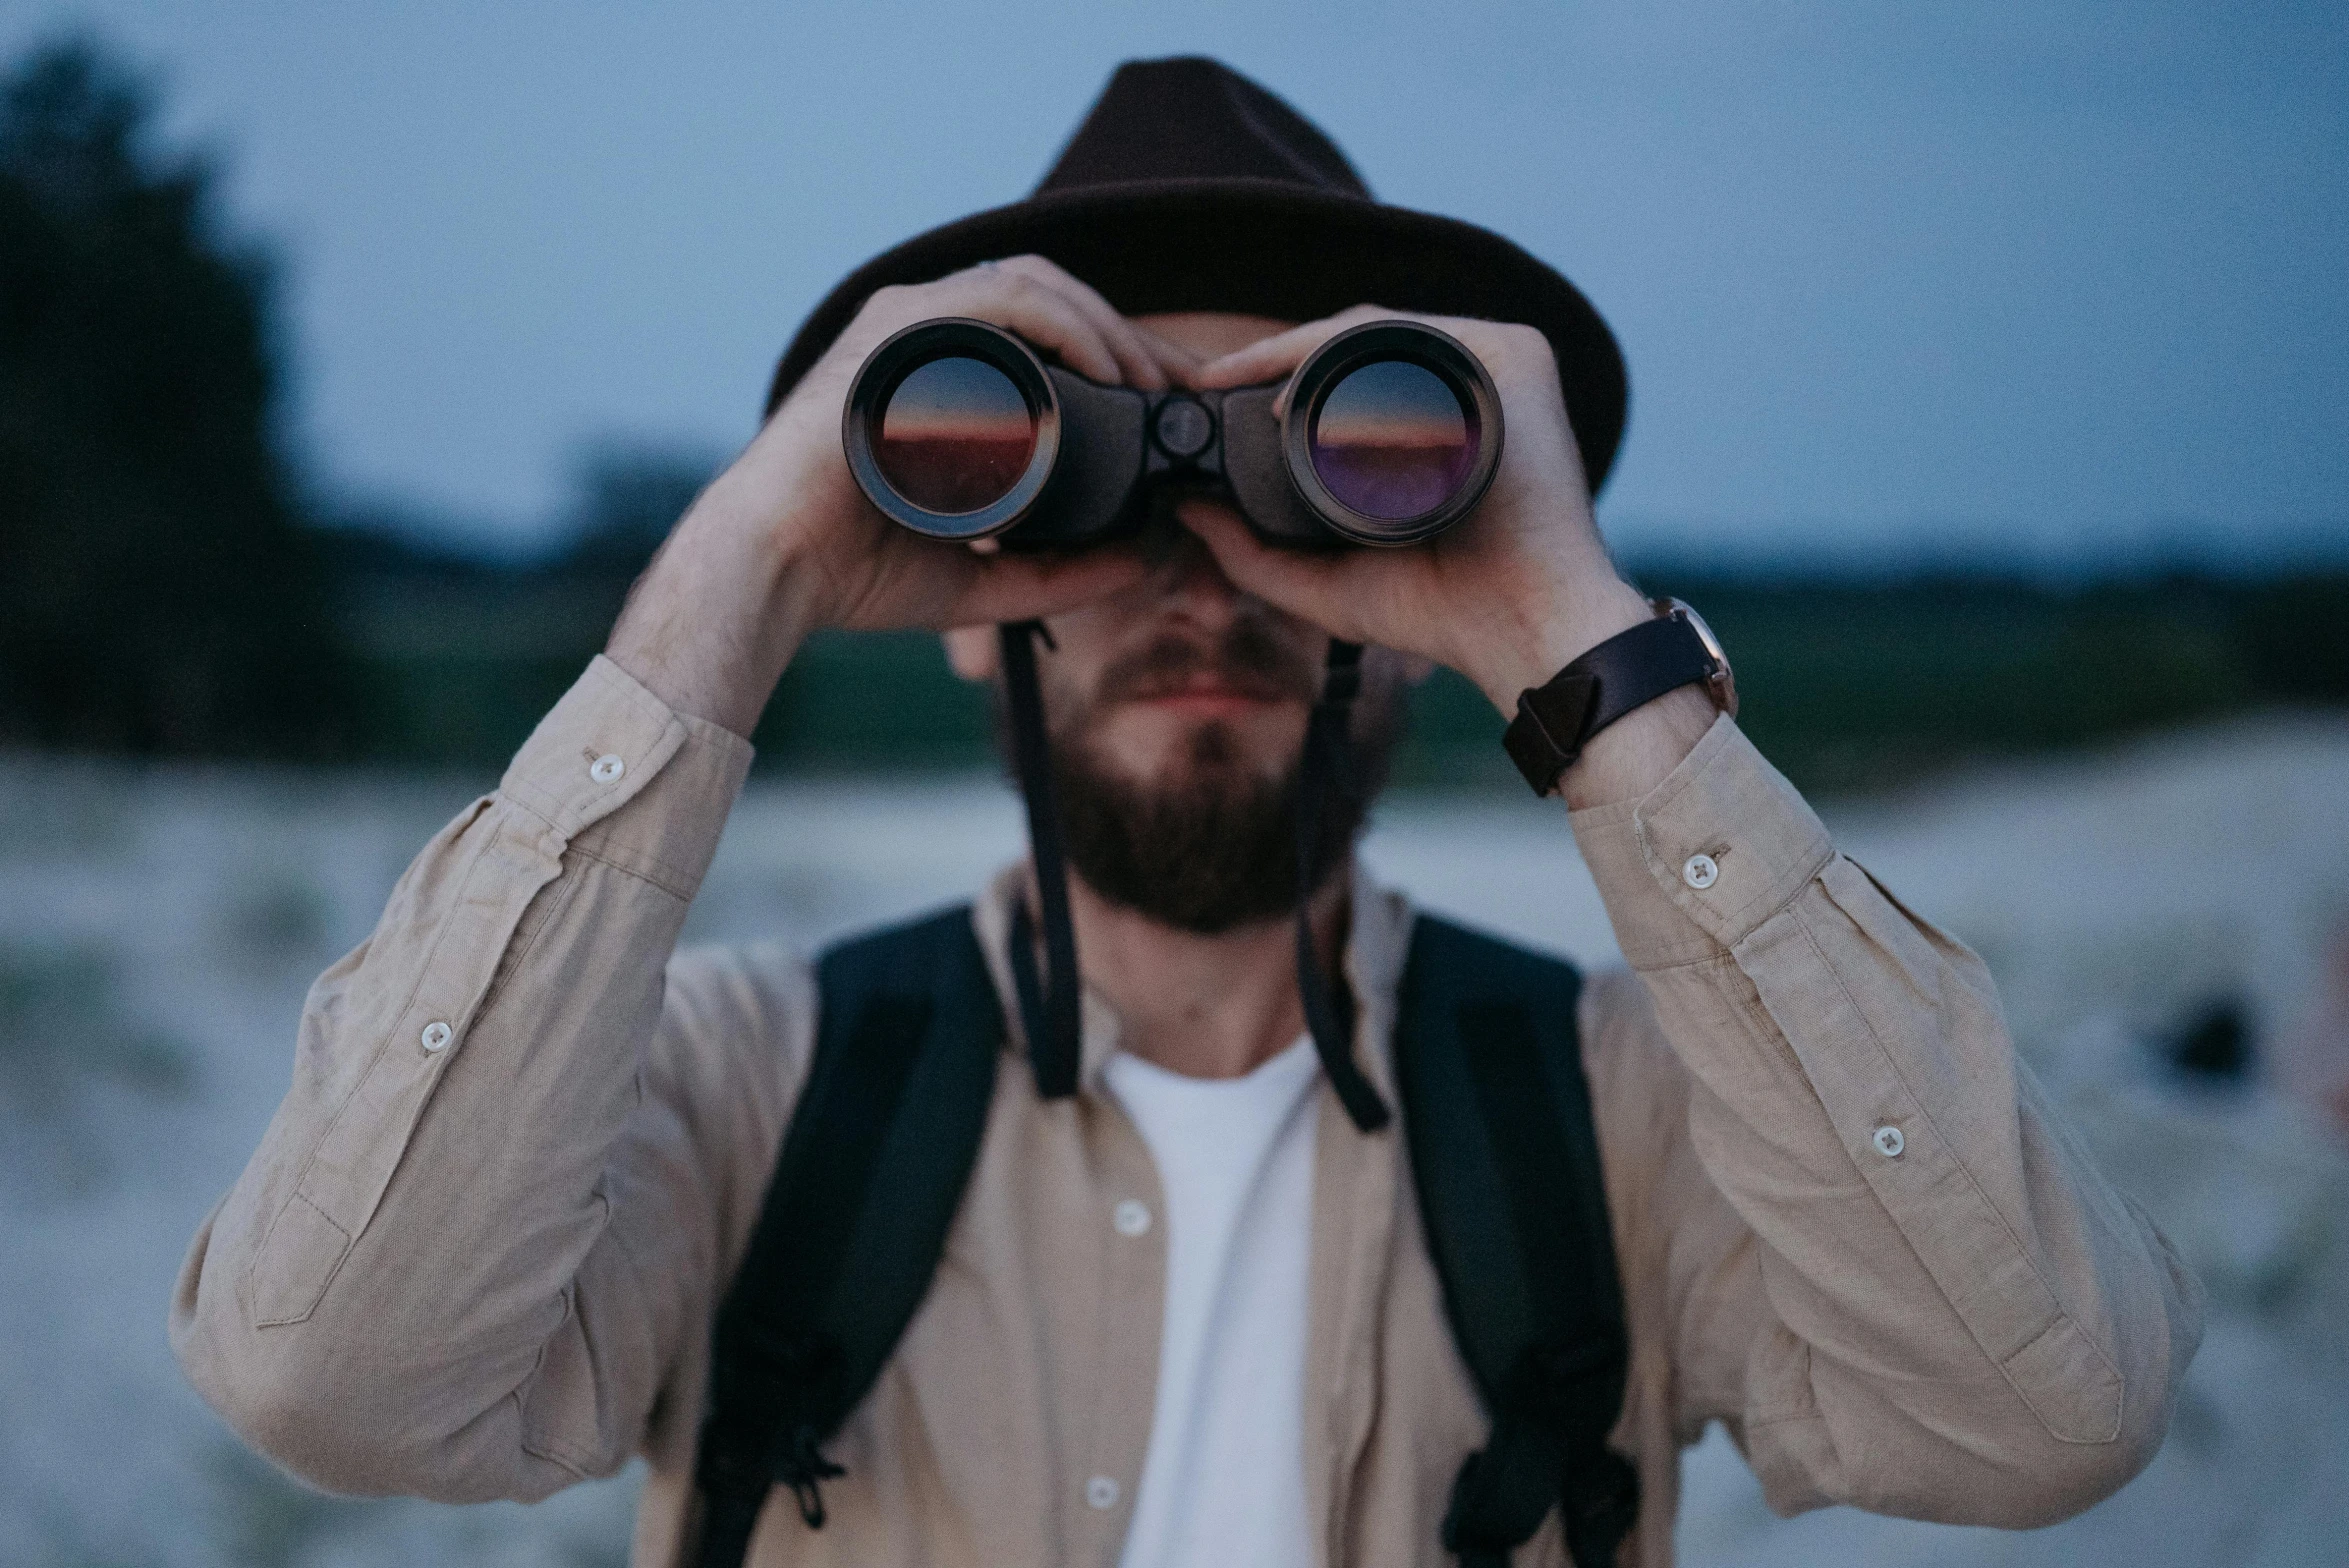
[1634,667]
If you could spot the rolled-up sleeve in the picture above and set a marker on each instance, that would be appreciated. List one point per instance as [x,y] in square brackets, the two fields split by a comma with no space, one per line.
[1951,1314]
[401,1292]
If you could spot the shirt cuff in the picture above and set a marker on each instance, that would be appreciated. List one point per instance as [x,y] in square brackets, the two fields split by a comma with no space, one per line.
[1689,869]
[611,744]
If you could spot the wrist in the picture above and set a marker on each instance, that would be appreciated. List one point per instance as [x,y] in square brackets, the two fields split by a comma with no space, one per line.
[1525,650]
[1635,753]
[720,612]
[1628,724]
[761,563]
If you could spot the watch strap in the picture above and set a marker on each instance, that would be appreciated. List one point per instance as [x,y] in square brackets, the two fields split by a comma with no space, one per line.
[1630,669]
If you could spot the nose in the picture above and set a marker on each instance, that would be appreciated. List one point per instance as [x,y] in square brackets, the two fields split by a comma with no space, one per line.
[1189,582]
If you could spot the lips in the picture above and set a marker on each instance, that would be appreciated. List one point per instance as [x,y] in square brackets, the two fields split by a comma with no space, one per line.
[1245,665]
[1212,690]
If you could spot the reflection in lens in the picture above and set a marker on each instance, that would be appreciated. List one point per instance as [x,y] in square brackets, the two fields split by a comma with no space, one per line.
[955,436]
[1393,440]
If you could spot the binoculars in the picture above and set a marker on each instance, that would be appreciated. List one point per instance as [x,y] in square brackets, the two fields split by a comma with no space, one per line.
[956,429]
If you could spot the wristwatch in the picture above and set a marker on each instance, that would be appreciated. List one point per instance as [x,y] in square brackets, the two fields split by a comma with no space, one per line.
[1557,719]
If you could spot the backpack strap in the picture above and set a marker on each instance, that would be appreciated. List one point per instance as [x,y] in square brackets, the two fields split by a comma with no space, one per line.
[1507,1168]
[868,1181]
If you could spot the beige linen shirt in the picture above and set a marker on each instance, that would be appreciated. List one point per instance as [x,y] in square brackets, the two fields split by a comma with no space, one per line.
[478,1252]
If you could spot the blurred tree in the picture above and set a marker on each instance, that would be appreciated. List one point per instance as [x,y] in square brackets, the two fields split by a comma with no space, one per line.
[2215,1045]
[156,590]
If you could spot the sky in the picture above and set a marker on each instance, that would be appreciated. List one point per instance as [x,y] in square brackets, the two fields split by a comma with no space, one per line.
[2050,283]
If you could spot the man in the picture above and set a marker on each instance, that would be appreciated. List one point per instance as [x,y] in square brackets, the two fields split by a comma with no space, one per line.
[1188,1315]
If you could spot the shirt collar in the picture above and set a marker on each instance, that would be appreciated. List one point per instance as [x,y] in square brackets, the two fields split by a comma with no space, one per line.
[1378,939]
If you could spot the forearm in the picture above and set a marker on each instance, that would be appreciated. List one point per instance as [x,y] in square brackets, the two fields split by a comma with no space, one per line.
[375,1297]
[716,618]
[1967,1323]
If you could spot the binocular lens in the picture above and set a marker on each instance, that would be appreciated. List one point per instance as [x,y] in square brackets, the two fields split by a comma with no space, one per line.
[1393,440]
[955,435]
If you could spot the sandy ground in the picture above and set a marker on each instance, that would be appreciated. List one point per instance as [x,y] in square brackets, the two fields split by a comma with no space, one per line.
[158,928]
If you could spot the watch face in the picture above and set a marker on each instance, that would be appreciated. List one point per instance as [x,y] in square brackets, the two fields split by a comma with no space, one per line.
[1722,683]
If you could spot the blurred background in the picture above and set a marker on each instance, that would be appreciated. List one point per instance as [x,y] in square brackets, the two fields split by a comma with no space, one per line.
[1990,395]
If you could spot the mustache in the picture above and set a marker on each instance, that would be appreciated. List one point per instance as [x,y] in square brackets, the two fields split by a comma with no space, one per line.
[1247,658]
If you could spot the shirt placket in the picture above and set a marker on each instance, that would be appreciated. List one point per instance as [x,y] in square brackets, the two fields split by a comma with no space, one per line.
[1128,1207]
[1355,1176]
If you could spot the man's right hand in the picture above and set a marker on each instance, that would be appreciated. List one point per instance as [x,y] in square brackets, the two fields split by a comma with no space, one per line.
[783,541]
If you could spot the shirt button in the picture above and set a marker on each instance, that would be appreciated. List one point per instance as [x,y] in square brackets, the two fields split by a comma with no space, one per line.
[1889,1142]
[435,1035]
[1131,1218]
[606,768]
[1101,1492]
[1700,872]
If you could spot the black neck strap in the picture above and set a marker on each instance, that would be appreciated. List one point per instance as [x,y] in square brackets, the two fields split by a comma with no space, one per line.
[1048,1004]
[1049,1013]
[1326,770]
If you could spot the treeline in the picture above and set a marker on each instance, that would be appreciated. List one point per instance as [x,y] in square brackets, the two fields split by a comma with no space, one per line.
[1849,684]
[157,591]
[164,588]
[1845,684]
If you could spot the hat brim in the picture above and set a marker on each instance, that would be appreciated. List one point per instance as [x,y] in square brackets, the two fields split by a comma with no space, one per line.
[1266,248]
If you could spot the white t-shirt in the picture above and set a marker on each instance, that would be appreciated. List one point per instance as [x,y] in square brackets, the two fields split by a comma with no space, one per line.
[1223,1484]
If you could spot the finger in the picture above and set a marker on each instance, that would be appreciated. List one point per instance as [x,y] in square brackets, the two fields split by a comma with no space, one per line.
[1016,299]
[1137,353]
[1138,365]
[1022,587]
[1322,589]
[1275,356]
[1179,363]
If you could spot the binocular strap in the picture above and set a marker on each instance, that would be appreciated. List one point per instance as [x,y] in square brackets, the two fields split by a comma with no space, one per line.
[1326,768]
[1049,1011]
[1048,1004]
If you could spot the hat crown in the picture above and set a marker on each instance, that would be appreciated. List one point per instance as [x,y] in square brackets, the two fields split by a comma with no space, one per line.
[1188,187]
[1192,118]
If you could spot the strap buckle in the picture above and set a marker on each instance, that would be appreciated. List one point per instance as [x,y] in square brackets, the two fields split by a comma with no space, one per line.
[761,1430]
[1548,1445]
[801,1465]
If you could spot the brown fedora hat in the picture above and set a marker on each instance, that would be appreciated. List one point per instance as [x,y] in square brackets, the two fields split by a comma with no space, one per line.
[1189,187]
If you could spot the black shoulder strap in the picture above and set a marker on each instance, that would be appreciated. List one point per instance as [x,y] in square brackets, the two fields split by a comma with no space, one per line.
[868,1181]
[882,1145]
[1507,1166]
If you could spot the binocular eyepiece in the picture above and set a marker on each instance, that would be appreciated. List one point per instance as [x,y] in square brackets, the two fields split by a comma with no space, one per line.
[956,429]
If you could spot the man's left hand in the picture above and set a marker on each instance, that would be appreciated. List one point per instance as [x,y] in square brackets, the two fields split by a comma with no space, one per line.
[1506,596]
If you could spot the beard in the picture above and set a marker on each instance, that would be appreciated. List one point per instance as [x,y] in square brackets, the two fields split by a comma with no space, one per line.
[1212,845]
